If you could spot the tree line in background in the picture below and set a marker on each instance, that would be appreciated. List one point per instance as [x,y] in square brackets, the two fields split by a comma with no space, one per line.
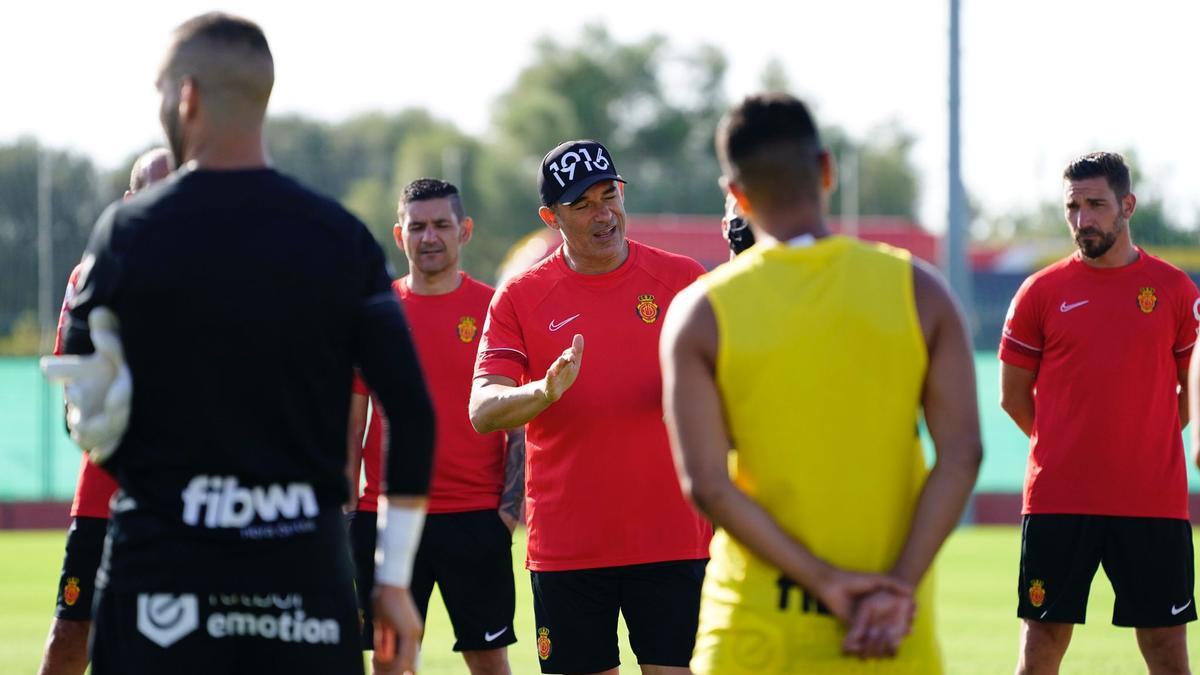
[654,106]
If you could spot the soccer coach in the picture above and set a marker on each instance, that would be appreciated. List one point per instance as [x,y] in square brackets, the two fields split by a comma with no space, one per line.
[243,301]
[609,529]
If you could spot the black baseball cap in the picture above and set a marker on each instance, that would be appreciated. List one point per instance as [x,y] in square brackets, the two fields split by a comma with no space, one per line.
[571,168]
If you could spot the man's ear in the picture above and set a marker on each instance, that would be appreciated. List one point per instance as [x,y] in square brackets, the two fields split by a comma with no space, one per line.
[189,99]
[548,217]
[1128,205]
[466,229]
[828,172]
[733,189]
[398,235]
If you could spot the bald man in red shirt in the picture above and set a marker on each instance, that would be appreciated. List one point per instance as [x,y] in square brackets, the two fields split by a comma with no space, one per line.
[609,529]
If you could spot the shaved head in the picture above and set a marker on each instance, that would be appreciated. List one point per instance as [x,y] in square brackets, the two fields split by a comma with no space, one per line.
[229,61]
[151,167]
[217,73]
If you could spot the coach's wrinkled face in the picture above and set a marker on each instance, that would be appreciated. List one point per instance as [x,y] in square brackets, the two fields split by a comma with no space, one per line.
[1096,216]
[430,234]
[593,226]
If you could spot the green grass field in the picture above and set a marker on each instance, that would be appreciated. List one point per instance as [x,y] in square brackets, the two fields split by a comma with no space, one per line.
[975,595]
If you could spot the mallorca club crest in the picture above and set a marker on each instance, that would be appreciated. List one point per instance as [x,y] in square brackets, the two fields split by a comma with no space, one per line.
[543,643]
[1147,299]
[71,591]
[646,308]
[1037,592]
[467,327]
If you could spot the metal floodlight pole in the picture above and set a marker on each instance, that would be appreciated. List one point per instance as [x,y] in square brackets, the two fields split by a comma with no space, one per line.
[848,181]
[47,321]
[955,261]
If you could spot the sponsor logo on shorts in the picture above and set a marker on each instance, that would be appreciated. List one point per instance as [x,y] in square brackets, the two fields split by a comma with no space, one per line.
[543,643]
[1037,592]
[1146,299]
[274,616]
[285,627]
[467,327]
[71,591]
[1176,611]
[164,618]
[647,309]
[489,637]
[219,502]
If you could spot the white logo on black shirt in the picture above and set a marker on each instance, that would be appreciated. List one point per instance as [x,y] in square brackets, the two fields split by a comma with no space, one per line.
[164,618]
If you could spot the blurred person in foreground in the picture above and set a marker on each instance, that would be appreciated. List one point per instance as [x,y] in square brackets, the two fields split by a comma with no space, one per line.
[222,314]
[794,379]
[66,646]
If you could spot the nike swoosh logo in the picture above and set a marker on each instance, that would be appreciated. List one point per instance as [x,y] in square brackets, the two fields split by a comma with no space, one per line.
[488,637]
[555,325]
[1064,308]
[1176,611]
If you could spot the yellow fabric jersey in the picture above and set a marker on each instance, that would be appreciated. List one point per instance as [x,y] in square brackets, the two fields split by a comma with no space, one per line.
[820,364]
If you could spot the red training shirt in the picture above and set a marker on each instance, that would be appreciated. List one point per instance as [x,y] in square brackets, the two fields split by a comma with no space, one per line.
[95,486]
[468,467]
[600,484]
[1107,346]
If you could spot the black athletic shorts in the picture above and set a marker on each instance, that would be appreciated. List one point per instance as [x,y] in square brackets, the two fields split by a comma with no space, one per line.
[576,615]
[1147,560]
[77,585]
[468,555]
[312,633]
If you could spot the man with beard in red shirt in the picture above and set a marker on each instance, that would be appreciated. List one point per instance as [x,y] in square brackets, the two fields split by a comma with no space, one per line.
[1094,349]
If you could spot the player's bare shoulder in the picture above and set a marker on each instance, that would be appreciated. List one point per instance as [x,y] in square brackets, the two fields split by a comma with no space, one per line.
[690,322]
[935,303]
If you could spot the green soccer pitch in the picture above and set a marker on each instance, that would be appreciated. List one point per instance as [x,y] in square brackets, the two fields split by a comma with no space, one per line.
[976,592]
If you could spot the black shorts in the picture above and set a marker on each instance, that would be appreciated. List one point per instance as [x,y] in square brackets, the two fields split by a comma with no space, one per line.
[1147,560]
[77,585]
[246,634]
[468,555]
[576,615]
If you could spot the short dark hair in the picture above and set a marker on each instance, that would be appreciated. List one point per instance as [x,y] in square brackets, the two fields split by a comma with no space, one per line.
[229,59]
[1107,165]
[422,189]
[769,144]
[223,29]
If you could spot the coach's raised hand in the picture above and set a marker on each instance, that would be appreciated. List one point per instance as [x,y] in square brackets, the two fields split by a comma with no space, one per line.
[562,373]
[497,403]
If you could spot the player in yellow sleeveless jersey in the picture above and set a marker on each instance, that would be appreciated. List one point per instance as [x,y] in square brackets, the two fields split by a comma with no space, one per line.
[794,379]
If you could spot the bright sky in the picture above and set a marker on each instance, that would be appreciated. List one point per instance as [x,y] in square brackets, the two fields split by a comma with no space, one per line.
[1043,80]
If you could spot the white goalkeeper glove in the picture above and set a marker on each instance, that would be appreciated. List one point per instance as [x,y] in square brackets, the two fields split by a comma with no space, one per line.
[98,388]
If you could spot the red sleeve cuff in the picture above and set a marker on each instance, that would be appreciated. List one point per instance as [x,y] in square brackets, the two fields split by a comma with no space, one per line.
[1018,355]
[1183,358]
[93,492]
[505,363]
